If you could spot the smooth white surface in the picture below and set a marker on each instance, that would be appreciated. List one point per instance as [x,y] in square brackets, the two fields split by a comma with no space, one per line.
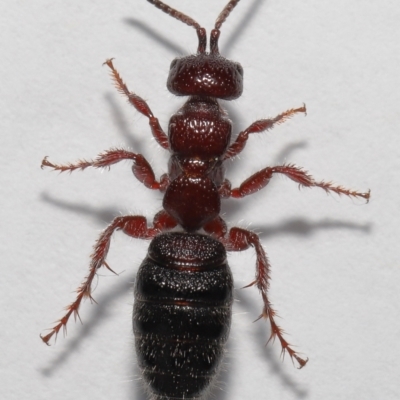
[335,261]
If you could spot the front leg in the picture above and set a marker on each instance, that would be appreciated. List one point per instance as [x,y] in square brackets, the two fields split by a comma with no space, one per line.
[140,105]
[260,126]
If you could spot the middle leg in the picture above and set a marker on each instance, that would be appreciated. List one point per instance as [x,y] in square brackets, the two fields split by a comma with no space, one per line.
[261,179]
[141,167]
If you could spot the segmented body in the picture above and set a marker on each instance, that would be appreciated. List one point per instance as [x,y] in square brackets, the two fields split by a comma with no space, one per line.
[183,290]
[182,313]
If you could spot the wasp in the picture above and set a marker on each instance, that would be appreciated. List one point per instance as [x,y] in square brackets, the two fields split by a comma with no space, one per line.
[183,290]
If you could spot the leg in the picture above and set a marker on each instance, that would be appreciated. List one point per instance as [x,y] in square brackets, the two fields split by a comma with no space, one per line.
[141,168]
[135,226]
[225,189]
[261,179]
[238,240]
[259,126]
[140,106]
[217,228]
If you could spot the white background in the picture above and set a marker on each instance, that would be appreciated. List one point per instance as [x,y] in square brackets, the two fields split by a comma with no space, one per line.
[336,261]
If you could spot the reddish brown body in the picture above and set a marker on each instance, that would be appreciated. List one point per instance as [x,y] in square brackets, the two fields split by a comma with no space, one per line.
[199,135]
[199,140]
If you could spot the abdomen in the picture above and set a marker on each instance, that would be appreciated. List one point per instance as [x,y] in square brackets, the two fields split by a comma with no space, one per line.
[182,313]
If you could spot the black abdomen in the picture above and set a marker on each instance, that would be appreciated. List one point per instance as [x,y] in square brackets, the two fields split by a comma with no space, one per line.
[182,313]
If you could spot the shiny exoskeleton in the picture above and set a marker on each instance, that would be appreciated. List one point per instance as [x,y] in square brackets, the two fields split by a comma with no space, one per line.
[183,290]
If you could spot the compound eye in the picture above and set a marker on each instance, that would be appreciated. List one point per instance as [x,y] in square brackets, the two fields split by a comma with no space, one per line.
[173,63]
[239,69]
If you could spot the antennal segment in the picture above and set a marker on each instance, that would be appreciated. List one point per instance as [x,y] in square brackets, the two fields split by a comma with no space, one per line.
[218,23]
[225,13]
[201,32]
